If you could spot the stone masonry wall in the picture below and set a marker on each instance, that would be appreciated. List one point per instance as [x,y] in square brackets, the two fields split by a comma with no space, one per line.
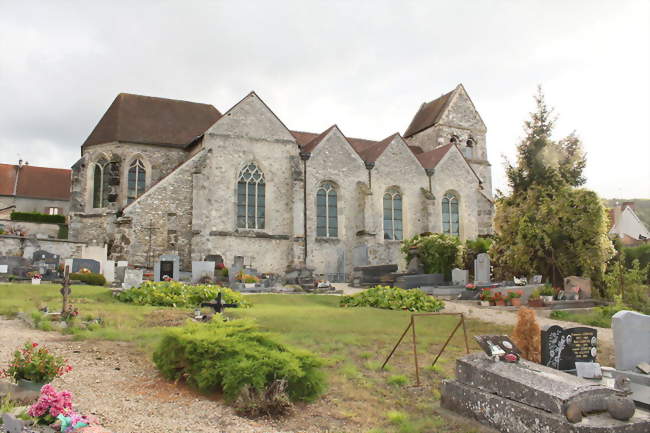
[25,247]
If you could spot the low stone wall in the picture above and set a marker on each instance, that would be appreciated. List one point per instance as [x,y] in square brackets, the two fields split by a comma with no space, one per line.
[40,230]
[26,246]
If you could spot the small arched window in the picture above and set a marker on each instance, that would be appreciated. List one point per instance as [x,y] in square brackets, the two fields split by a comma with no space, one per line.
[393,215]
[137,175]
[468,150]
[100,183]
[454,139]
[326,211]
[250,198]
[450,216]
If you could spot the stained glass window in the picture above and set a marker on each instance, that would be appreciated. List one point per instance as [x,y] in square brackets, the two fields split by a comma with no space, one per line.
[393,229]
[450,215]
[136,180]
[326,211]
[250,198]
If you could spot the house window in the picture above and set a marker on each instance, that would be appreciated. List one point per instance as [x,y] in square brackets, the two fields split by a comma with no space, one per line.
[100,184]
[393,215]
[250,198]
[326,211]
[450,217]
[136,180]
[53,211]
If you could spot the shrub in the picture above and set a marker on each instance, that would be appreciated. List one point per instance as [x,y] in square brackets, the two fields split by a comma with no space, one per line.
[35,364]
[640,253]
[175,294]
[439,252]
[37,217]
[89,278]
[273,401]
[63,231]
[527,335]
[393,298]
[472,249]
[236,355]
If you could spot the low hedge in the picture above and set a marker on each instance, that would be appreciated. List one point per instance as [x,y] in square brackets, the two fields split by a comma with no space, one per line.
[232,356]
[176,294]
[89,278]
[37,217]
[393,298]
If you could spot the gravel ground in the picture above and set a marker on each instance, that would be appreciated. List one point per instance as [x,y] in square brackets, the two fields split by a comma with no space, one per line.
[112,381]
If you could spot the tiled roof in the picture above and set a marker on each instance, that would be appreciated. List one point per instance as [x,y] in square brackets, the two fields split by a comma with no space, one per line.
[151,120]
[428,115]
[431,158]
[35,182]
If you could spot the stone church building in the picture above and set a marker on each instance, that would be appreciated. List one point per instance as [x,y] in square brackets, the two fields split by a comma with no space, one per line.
[161,176]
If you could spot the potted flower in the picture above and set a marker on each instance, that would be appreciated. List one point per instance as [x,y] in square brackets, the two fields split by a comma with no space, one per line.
[534,300]
[34,366]
[35,276]
[546,293]
[499,300]
[485,297]
[514,297]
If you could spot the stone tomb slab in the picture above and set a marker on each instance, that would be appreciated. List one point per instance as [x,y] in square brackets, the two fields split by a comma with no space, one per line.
[459,277]
[132,278]
[167,265]
[631,339]
[561,347]
[482,268]
[511,416]
[525,382]
[201,270]
[418,280]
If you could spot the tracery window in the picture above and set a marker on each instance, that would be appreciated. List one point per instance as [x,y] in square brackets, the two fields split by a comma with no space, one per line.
[326,211]
[393,229]
[450,216]
[100,183]
[250,198]
[136,180]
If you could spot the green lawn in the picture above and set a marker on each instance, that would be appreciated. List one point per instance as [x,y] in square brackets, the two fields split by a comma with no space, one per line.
[355,341]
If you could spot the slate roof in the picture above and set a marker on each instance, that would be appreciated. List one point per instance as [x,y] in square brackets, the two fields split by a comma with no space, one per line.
[152,120]
[429,114]
[35,182]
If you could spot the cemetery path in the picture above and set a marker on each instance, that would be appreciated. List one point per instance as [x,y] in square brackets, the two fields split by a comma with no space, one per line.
[509,317]
[118,384]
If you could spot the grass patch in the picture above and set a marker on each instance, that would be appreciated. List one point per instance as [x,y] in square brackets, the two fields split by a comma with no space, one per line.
[397,380]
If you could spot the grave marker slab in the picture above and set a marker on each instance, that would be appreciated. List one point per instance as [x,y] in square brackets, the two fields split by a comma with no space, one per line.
[482,268]
[167,265]
[132,278]
[459,277]
[109,271]
[90,264]
[119,273]
[201,270]
[561,348]
[4,269]
[631,339]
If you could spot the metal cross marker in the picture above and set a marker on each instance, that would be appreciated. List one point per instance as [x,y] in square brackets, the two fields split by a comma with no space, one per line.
[150,230]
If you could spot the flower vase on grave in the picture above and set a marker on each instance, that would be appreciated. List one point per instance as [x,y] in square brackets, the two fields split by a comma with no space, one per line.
[36,281]
[515,302]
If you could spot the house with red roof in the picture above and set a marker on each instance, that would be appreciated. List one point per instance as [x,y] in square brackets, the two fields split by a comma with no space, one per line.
[161,176]
[27,188]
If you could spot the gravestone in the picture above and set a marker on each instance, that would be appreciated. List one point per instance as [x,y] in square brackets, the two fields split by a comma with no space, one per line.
[167,265]
[42,256]
[201,270]
[109,271]
[119,273]
[583,284]
[482,268]
[415,266]
[132,278]
[236,268]
[123,263]
[631,339]
[16,265]
[537,279]
[459,277]
[12,424]
[561,348]
[4,269]
[90,264]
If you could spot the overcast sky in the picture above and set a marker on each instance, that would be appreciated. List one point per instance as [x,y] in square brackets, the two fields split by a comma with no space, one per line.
[366,66]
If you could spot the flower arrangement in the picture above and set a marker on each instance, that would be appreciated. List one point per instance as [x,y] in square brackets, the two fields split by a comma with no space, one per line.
[470,286]
[34,275]
[85,271]
[498,298]
[246,278]
[486,295]
[36,364]
[515,294]
[53,406]
[167,278]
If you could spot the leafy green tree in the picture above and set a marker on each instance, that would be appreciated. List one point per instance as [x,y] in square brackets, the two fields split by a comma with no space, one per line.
[438,252]
[546,225]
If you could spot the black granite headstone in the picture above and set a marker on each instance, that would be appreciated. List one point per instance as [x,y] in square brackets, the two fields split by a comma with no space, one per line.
[561,348]
[42,256]
[90,264]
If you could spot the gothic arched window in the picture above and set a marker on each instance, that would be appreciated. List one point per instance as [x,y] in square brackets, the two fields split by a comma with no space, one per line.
[250,198]
[100,183]
[136,180]
[393,215]
[450,215]
[326,211]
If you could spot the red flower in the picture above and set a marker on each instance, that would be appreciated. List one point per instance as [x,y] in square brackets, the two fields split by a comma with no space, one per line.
[34,344]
